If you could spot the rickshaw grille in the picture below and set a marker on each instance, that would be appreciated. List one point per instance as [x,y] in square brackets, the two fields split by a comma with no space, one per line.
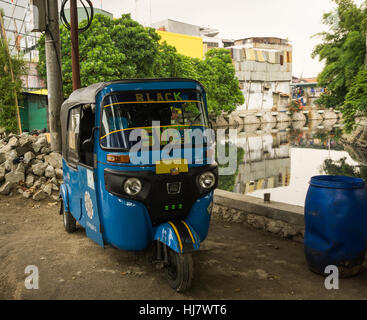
[166,197]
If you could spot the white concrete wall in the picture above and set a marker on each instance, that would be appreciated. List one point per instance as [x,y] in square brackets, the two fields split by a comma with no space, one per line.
[258,98]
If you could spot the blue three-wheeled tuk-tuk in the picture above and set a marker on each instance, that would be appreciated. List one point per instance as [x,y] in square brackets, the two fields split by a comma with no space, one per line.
[134,174]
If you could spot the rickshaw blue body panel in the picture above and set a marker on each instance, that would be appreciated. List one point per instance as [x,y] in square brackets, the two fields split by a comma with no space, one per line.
[119,221]
[168,234]
[127,224]
[64,194]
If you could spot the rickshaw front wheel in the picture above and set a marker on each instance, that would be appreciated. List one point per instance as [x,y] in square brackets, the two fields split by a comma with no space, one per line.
[69,221]
[179,270]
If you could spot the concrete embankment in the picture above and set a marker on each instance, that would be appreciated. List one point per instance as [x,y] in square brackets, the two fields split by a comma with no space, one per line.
[239,118]
[357,138]
[279,218]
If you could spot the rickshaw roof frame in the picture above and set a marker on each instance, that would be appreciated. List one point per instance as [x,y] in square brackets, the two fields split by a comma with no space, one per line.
[88,95]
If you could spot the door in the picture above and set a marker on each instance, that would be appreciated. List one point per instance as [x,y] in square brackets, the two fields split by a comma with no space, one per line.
[80,177]
[87,183]
[90,213]
[71,173]
[37,112]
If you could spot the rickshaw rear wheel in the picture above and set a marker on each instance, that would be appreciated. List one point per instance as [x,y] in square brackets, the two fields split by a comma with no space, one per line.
[179,270]
[69,220]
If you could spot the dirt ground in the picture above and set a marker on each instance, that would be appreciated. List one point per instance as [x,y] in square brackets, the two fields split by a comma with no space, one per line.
[235,262]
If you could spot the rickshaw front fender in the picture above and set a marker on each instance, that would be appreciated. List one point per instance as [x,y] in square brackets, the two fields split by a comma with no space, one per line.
[64,194]
[178,235]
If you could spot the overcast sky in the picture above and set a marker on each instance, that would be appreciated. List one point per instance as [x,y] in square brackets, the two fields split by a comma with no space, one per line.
[296,20]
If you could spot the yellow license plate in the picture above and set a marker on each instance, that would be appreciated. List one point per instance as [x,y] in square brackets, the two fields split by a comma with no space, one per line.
[172,166]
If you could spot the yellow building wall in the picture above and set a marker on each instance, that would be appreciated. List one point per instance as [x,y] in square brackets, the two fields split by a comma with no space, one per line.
[188,45]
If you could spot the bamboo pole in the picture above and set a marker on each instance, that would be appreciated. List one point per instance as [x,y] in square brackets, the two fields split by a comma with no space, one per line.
[3,36]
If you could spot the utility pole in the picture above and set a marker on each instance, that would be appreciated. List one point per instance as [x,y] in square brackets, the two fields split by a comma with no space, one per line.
[74,44]
[54,74]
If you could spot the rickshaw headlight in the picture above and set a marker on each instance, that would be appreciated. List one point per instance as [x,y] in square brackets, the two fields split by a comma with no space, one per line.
[207,180]
[132,186]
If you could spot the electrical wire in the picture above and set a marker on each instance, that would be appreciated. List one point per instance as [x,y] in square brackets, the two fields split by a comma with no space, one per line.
[66,23]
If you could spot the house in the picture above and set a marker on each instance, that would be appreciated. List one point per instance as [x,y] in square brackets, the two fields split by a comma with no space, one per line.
[306,90]
[264,68]
[190,40]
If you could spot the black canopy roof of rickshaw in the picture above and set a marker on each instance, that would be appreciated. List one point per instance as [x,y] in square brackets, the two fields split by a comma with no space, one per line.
[88,95]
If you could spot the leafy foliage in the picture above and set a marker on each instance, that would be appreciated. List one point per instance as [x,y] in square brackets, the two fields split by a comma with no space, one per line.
[109,50]
[356,99]
[227,182]
[341,168]
[343,49]
[8,88]
[122,48]
[217,74]
[294,106]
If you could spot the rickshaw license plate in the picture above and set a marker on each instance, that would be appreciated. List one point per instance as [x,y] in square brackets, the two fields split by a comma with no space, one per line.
[173,167]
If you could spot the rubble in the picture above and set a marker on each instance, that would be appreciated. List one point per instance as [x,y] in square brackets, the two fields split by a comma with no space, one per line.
[40,195]
[50,172]
[2,174]
[6,188]
[39,169]
[14,177]
[28,157]
[28,166]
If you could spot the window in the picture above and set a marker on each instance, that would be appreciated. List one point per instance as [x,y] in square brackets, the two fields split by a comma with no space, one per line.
[73,136]
[87,120]
[212,44]
[124,111]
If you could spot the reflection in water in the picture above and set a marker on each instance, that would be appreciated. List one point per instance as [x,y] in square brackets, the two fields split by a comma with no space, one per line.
[342,168]
[281,158]
[266,162]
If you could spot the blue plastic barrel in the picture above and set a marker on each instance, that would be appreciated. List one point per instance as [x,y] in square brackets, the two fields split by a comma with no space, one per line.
[336,224]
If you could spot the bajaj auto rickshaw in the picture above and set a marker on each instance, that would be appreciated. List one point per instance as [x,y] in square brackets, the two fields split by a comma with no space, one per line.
[130,190]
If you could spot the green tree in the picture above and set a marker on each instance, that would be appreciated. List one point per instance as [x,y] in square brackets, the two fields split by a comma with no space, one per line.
[170,64]
[343,50]
[227,182]
[8,88]
[355,100]
[122,48]
[217,74]
[342,168]
[111,49]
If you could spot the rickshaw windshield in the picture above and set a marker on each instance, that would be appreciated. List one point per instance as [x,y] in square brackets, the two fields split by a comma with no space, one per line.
[129,110]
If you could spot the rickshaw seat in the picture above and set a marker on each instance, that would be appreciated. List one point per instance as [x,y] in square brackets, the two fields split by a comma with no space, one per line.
[87,147]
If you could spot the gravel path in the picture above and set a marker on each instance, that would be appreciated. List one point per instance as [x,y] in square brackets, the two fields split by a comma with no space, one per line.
[235,262]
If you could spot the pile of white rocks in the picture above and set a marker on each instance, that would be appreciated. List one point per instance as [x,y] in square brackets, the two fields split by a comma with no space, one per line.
[28,166]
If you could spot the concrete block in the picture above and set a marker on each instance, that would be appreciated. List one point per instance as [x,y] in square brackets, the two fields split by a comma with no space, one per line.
[235,120]
[268,118]
[251,119]
[221,122]
[274,210]
[329,114]
[314,115]
[283,117]
[298,116]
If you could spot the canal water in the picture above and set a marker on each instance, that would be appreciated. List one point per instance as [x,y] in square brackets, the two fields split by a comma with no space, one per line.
[281,158]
